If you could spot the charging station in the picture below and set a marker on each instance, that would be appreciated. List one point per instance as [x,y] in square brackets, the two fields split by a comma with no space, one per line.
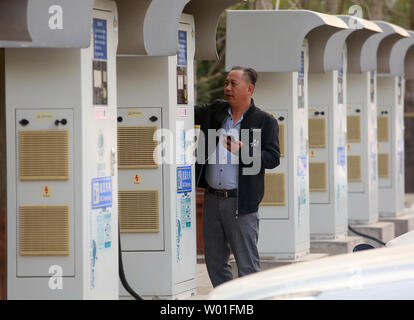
[281,57]
[62,215]
[391,92]
[156,91]
[408,64]
[328,184]
[362,123]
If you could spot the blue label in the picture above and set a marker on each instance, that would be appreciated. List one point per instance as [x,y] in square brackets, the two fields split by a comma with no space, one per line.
[182,48]
[104,231]
[99,39]
[185,207]
[341,156]
[101,192]
[184,179]
[302,165]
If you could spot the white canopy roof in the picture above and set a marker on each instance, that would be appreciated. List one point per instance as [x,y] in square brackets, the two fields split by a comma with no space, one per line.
[271,40]
[27,24]
[149,27]
[396,33]
[326,50]
[399,57]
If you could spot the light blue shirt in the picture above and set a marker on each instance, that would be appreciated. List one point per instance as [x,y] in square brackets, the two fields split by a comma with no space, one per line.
[224,174]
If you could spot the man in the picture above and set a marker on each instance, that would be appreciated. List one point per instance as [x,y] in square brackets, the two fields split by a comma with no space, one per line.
[233,195]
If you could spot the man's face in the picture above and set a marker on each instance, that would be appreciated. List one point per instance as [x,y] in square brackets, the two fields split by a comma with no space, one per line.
[237,88]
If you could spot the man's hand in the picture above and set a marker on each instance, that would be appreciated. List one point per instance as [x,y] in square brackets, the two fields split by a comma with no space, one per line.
[232,144]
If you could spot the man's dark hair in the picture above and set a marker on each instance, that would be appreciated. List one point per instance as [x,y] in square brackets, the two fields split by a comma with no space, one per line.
[250,73]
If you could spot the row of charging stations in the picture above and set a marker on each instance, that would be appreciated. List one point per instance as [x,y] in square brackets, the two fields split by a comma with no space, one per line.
[318,77]
[88,85]
[81,122]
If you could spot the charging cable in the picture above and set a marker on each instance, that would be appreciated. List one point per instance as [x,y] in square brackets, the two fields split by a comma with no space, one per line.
[122,273]
[365,236]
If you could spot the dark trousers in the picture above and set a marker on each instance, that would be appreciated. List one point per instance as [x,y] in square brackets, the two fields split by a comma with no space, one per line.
[223,231]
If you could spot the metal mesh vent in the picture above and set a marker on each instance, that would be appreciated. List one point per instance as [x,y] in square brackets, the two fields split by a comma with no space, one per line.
[317,133]
[44,230]
[317,176]
[274,194]
[139,211]
[136,147]
[383,165]
[354,169]
[383,129]
[44,154]
[282,139]
[354,128]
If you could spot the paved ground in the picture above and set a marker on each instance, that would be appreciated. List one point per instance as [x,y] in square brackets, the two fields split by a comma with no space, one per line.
[203,281]
[409,199]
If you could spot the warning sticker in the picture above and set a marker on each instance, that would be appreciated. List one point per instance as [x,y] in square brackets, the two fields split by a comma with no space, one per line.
[136,179]
[46,191]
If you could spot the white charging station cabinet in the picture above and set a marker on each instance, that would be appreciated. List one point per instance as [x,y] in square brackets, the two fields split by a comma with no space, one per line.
[408,65]
[61,157]
[362,141]
[328,183]
[281,58]
[391,92]
[156,93]
[327,153]
[157,200]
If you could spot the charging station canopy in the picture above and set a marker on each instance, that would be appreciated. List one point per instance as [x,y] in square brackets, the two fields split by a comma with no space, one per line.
[45,24]
[149,27]
[277,47]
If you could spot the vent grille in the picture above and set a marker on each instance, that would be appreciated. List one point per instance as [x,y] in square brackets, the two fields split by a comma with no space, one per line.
[354,128]
[136,147]
[354,169]
[44,230]
[44,155]
[282,139]
[383,129]
[139,211]
[317,133]
[317,177]
[383,165]
[274,194]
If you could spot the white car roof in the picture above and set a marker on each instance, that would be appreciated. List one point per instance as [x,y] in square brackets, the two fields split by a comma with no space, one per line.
[406,238]
[335,273]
